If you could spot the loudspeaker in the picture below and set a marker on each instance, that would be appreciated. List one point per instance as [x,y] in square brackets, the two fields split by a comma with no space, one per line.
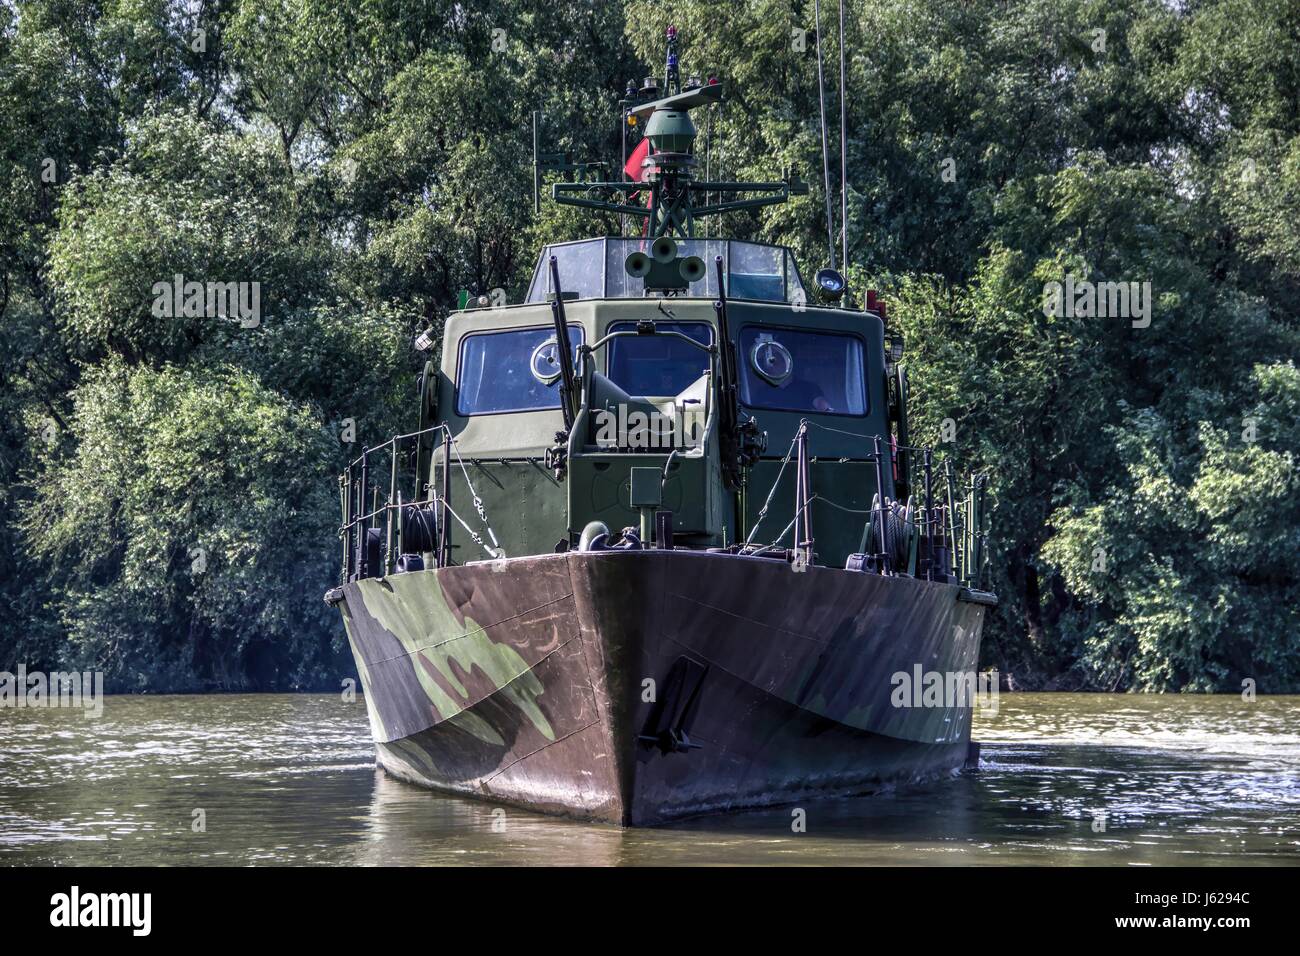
[692,268]
[637,265]
[664,249]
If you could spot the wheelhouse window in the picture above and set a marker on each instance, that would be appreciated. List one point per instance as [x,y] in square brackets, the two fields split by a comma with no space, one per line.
[801,371]
[514,370]
[581,266]
[757,272]
[594,268]
[658,365]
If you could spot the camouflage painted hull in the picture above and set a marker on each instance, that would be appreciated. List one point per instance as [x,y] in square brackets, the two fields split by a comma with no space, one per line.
[526,682]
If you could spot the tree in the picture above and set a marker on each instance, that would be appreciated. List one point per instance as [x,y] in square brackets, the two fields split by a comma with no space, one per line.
[365,160]
[195,497]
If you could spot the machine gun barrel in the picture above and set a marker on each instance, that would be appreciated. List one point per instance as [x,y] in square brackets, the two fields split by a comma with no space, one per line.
[562,353]
[726,356]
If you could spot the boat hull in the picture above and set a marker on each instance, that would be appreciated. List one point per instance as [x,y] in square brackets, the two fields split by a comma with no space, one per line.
[640,687]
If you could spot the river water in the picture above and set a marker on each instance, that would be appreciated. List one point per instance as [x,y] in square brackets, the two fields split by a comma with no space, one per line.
[1066,779]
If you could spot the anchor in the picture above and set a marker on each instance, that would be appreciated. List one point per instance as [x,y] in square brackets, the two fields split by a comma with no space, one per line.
[669,725]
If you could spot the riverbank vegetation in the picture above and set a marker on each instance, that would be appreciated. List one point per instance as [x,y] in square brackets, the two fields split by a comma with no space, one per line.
[168,478]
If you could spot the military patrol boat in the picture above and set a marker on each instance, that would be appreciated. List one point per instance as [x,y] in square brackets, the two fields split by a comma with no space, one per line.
[570,588]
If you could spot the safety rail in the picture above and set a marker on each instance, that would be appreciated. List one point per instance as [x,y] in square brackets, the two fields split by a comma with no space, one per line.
[937,540]
[368,551]
[942,540]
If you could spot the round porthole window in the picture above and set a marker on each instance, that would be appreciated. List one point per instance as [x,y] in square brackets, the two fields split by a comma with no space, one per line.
[771,360]
[546,362]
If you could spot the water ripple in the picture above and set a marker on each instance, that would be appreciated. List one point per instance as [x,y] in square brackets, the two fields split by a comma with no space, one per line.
[1065,779]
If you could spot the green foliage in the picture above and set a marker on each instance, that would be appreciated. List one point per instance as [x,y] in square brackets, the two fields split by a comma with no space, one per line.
[1218,600]
[363,160]
[195,496]
[347,362]
[184,200]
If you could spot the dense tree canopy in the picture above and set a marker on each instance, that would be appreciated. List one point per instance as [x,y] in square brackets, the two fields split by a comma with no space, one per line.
[167,480]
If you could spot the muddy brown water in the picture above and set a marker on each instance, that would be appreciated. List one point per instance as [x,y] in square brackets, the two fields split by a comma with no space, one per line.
[1066,779]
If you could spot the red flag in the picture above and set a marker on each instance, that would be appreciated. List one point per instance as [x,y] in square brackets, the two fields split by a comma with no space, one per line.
[633,169]
[637,173]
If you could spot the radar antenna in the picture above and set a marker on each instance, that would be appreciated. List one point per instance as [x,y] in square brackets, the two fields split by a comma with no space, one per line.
[663,189]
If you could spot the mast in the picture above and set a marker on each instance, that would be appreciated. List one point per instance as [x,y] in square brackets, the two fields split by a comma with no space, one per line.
[676,198]
[844,156]
[826,162]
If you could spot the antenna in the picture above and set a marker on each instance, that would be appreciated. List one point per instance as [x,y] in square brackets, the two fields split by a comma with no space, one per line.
[537,169]
[672,79]
[844,162]
[826,162]
[629,97]
[554,162]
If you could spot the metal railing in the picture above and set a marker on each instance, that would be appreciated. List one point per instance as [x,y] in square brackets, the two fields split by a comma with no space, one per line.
[943,539]
[360,504]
